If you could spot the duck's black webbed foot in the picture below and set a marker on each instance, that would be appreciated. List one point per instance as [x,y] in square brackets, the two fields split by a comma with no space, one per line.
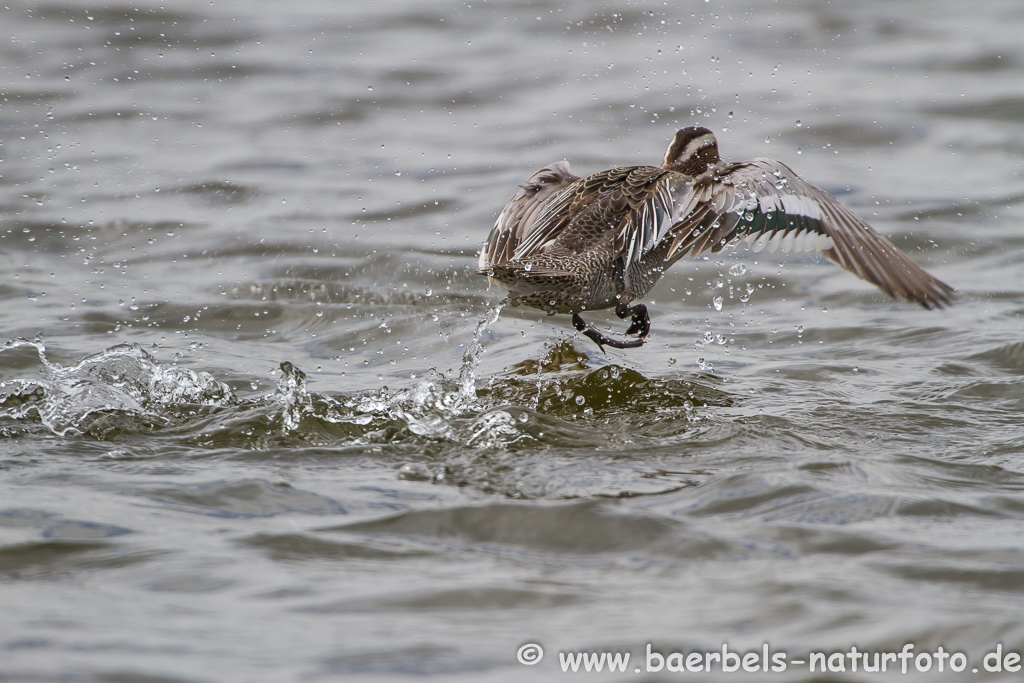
[600,339]
[640,321]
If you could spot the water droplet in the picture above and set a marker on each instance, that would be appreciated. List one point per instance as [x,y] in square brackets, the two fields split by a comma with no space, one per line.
[737,269]
[580,400]
[414,472]
[717,301]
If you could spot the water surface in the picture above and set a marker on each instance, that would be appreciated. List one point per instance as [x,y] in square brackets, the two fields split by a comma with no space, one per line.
[252,427]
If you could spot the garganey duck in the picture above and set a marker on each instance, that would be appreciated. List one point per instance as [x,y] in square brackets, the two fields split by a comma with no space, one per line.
[566,244]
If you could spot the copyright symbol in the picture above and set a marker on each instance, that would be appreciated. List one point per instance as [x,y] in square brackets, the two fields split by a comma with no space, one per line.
[530,654]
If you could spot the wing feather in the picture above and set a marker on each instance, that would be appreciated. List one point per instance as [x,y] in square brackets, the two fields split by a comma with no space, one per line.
[524,212]
[560,210]
[768,204]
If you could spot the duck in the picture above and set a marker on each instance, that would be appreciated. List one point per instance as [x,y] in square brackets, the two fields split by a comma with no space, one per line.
[569,244]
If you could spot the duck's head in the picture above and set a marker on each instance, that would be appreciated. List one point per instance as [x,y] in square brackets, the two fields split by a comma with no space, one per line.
[691,152]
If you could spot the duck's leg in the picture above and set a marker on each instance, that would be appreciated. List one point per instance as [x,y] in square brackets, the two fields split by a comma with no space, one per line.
[640,320]
[601,340]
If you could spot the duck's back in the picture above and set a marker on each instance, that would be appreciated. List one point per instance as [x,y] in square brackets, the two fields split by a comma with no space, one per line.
[594,213]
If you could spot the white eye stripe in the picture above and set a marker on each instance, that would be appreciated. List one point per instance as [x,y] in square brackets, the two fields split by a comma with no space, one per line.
[695,145]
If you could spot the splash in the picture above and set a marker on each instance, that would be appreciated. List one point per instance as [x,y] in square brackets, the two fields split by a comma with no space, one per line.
[291,393]
[471,357]
[123,379]
[430,408]
[125,389]
[123,386]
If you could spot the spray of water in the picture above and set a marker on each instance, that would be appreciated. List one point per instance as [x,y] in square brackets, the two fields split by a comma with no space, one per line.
[124,382]
[124,379]
[471,357]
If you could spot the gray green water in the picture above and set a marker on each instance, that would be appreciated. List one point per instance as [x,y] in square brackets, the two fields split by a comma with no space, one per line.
[238,438]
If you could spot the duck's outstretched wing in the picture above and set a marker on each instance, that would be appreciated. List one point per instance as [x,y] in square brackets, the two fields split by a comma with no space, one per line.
[766,204]
[520,216]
